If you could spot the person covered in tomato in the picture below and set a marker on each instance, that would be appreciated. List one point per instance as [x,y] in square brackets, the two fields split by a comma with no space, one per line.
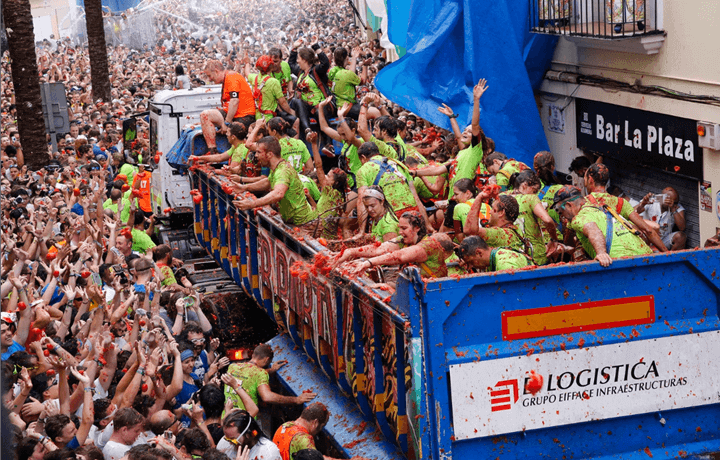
[312,83]
[503,168]
[299,434]
[236,134]
[267,91]
[237,100]
[284,186]
[476,255]
[414,246]
[602,236]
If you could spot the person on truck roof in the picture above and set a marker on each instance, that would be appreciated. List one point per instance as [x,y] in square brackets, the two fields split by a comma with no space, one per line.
[267,91]
[602,235]
[237,100]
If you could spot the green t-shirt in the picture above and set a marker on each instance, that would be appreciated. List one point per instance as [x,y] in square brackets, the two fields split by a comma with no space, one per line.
[141,241]
[612,202]
[271,93]
[168,275]
[394,183]
[353,161]
[624,243]
[295,152]
[434,266]
[330,198]
[388,223]
[504,259]
[294,207]
[508,169]
[129,171]
[125,214]
[284,77]
[466,163]
[311,187]
[314,95]
[238,153]
[252,377]
[497,237]
[548,197]
[343,84]
[386,150]
[411,151]
[421,188]
[528,226]
[462,210]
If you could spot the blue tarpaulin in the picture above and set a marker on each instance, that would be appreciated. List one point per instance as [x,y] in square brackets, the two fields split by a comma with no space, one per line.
[192,142]
[451,44]
[114,5]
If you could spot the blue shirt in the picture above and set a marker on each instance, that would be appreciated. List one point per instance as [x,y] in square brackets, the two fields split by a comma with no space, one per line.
[12,349]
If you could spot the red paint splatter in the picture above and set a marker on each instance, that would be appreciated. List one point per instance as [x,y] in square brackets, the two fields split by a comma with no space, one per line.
[635,333]
[351,445]
[534,385]
[647,449]
[459,353]
[581,342]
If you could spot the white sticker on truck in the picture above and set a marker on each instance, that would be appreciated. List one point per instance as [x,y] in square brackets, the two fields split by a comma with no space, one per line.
[503,396]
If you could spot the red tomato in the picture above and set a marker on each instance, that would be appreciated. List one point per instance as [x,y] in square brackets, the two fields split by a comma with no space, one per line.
[50,256]
[85,274]
[50,346]
[21,306]
[76,191]
[56,273]
[46,352]
[144,387]
[50,372]
[125,188]
[197,199]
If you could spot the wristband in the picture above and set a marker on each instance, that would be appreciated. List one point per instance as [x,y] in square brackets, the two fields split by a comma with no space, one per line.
[88,389]
[370,262]
[141,371]
[454,115]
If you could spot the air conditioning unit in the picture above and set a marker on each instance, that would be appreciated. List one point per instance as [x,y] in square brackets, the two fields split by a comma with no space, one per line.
[708,135]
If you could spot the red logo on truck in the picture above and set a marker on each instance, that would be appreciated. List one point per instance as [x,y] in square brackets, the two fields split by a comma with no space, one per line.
[500,398]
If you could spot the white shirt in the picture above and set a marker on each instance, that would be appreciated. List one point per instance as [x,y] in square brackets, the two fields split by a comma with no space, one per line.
[666,220]
[114,450]
[265,449]
[227,448]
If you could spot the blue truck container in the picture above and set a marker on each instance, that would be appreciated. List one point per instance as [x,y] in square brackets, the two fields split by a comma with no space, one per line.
[564,361]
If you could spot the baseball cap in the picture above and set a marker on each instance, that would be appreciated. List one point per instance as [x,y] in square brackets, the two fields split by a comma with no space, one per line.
[565,193]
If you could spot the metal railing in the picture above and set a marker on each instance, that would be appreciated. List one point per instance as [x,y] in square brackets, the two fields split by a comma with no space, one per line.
[606,19]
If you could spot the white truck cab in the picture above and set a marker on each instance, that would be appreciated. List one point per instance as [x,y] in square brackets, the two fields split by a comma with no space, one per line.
[170,112]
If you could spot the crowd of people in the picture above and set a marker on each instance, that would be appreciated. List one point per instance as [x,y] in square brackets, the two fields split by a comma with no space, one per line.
[107,352]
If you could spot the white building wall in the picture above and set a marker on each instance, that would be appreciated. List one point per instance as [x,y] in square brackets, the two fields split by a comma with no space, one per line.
[688,62]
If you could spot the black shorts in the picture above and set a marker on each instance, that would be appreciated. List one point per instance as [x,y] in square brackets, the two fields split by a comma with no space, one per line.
[247,120]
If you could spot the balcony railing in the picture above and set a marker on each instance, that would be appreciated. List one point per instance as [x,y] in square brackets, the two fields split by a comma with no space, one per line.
[606,19]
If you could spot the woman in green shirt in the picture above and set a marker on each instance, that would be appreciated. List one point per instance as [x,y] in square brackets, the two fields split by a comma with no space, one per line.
[335,203]
[237,132]
[293,150]
[347,134]
[532,214]
[312,82]
[412,247]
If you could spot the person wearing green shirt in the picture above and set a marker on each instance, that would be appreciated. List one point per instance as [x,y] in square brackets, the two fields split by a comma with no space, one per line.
[500,230]
[503,168]
[385,131]
[413,246]
[465,164]
[284,185]
[113,203]
[335,203]
[141,242]
[311,189]
[346,134]
[267,91]
[345,80]
[602,236]
[281,71]
[596,179]
[477,255]
[532,215]
[312,82]
[383,218]
[464,195]
[124,168]
[391,176]
[237,132]
[293,150]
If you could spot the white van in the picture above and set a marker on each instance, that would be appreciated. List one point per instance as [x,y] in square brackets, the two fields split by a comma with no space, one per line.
[170,112]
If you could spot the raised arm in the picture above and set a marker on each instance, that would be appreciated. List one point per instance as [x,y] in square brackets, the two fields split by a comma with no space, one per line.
[478,91]
[472,222]
[445,110]
[324,127]
[322,178]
